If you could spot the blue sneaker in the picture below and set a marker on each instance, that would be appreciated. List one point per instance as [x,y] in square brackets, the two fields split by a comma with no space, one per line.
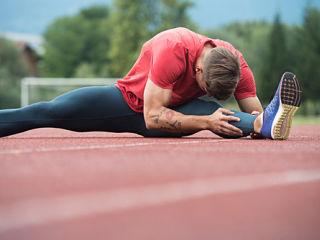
[277,117]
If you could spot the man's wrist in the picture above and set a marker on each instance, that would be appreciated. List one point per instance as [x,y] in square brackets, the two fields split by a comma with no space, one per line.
[204,122]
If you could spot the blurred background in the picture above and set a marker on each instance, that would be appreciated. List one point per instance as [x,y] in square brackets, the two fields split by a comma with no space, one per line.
[102,39]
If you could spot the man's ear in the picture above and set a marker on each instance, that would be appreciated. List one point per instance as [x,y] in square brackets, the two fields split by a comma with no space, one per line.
[198,69]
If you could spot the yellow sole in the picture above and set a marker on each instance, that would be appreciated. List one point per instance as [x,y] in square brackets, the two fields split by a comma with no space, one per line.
[283,126]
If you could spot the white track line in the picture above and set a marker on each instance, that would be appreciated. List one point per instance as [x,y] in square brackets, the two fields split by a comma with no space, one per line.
[76,148]
[45,211]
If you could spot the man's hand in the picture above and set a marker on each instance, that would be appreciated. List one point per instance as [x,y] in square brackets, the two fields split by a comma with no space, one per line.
[219,123]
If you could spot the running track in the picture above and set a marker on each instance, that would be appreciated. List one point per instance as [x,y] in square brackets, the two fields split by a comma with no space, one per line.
[58,184]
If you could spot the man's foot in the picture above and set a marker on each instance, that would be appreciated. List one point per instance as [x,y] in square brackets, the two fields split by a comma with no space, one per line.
[277,117]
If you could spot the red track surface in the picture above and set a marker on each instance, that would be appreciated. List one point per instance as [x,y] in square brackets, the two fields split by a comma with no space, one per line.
[57,184]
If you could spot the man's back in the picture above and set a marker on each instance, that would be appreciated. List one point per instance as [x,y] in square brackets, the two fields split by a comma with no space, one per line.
[168,59]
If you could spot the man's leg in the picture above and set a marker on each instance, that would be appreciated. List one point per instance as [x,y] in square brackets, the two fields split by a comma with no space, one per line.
[81,110]
[99,109]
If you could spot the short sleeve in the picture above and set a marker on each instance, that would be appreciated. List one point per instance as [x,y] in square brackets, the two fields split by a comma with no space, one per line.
[168,63]
[246,86]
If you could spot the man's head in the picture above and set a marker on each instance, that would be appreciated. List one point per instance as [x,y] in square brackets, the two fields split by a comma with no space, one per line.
[221,72]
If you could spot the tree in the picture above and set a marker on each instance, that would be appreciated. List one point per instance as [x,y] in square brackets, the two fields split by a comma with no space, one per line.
[12,70]
[276,61]
[307,51]
[174,14]
[98,42]
[71,42]
[133,22]
[136,21]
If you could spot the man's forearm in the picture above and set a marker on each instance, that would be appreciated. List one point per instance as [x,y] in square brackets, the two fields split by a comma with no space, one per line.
[171,121]
[250,104]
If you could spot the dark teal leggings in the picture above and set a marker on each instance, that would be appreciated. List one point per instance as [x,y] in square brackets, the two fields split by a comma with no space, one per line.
[100,109]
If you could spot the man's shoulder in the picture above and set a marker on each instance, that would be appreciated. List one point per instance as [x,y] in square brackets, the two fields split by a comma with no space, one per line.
[172,40]
[178,30]
[176,35]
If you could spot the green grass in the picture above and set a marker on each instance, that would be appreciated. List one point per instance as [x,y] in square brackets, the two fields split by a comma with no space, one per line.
[303,120]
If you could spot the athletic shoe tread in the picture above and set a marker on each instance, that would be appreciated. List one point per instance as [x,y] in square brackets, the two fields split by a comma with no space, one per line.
[290,92]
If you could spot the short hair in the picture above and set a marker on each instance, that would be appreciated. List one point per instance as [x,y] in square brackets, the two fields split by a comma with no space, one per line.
[221,72]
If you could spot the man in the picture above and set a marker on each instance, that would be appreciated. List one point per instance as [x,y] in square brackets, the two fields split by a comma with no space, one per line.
[159,96]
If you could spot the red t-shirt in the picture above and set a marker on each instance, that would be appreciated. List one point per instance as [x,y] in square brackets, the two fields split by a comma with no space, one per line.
[169,59]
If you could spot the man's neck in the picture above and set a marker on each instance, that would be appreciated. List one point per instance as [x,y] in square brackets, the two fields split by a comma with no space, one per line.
[207,47]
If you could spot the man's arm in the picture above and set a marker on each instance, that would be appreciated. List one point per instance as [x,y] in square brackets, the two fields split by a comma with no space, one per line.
[250,104]
[158,116]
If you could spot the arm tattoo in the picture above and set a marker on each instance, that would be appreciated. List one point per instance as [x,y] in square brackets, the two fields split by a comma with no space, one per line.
[173,124]
[170,123]
[159,115]
[169,115]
